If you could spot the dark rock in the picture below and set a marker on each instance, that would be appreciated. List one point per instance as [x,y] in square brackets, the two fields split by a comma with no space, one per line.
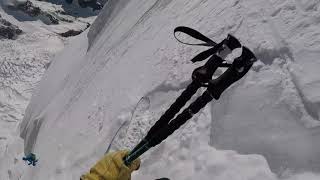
[8,30]
[29,9]
[52,19]
[71,33]
[69,1]
[74,32]
[35,12]
[94,4]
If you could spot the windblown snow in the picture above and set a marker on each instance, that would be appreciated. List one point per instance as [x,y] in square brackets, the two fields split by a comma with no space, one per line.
[264,127]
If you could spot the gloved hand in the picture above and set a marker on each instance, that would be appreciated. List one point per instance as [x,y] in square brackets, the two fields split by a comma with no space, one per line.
[112,167]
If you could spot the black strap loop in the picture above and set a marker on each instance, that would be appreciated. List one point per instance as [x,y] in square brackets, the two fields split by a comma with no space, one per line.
[207,53]
[195,34]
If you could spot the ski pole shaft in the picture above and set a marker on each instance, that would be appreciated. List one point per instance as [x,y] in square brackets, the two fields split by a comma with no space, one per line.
[182,118]
[174,108]
[168,129]
[200,77]
[136,153]
[171,112]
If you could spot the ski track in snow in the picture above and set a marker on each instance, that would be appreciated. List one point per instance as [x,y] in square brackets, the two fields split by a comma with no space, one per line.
[272,114]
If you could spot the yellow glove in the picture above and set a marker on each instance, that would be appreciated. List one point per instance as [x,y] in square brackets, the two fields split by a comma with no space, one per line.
[112,167]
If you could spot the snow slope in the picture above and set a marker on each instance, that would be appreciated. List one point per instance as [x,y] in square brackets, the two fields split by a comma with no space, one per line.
[272,115]
[23,61]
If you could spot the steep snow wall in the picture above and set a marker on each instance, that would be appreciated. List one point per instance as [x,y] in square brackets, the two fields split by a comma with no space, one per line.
[109,13]
[130,52]
[275,112]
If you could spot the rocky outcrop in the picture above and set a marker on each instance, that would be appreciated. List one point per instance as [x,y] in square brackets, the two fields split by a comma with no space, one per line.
[71,33]
[94,4]
[53,14]
[29,9]
[8,30]
[33,11]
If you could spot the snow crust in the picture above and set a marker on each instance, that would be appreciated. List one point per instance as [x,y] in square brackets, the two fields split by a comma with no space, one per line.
[265,127]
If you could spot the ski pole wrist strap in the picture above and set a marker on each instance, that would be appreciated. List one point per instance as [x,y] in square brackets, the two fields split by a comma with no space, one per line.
[195,34]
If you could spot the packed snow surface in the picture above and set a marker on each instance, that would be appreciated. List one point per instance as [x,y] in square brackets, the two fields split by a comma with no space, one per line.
[26,46]
[23,61]
[264,127]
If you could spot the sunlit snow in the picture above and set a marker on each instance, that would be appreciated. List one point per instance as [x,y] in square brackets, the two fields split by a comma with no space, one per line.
[264,127]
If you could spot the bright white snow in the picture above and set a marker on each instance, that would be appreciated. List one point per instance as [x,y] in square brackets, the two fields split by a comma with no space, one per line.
[272,114]
[22,64]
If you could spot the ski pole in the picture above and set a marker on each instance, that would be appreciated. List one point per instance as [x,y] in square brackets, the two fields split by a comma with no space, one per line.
[236,71]
[200,77]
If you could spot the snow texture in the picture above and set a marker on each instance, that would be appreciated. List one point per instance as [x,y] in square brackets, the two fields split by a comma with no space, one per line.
[264,127]
[24,58]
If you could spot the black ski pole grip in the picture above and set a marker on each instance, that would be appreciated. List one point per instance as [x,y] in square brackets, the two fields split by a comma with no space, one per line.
[203,74]
[232,42]
[236,71]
